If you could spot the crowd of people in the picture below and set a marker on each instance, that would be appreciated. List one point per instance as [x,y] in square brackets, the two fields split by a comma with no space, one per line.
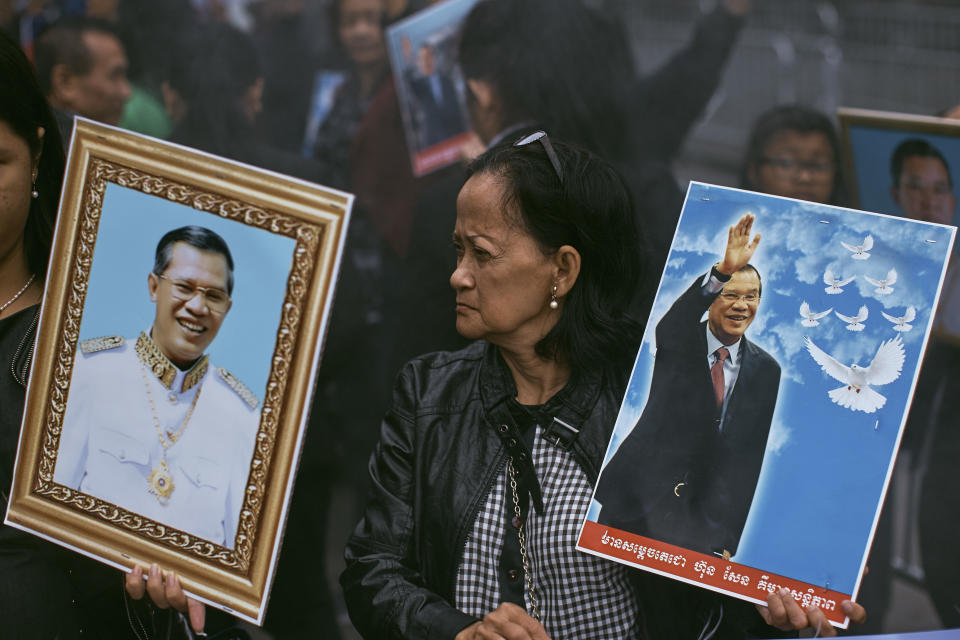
[535,310]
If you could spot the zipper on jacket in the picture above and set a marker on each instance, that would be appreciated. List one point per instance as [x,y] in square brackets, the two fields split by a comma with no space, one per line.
[499,466]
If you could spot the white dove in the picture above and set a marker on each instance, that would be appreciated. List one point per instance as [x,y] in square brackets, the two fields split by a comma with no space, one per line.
[835,283]
[860,250]
[902,323]
[856,394]
[855,323]
[809,317]
[883,287]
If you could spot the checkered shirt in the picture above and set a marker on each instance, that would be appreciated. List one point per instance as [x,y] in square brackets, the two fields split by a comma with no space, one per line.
[580,595]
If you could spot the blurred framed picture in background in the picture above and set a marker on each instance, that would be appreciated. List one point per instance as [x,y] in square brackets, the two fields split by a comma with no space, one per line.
[178,345]
[907,165]
[430,85]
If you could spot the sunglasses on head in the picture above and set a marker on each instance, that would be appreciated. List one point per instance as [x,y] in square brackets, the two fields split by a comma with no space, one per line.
[543,139]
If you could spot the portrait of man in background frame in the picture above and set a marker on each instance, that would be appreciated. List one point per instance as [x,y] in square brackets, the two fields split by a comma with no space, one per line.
[179,340]
[902,164]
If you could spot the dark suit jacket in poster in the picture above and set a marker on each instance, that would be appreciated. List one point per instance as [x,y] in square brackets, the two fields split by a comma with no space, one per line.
[679,439]
[440,118]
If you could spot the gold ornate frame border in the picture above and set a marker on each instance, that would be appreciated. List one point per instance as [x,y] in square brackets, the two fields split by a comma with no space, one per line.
[316,218]
[884,121]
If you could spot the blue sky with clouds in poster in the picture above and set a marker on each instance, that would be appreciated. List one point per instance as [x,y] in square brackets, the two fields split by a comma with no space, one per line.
[826,465]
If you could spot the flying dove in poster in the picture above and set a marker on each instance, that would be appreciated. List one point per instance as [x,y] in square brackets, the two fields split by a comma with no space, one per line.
[834,283]
[860,250]
[903,322]
[856,394]
[810,318]
[883,287]
[855,323]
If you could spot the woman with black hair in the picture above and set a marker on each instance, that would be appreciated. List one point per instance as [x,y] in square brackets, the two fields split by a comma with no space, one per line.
[487,458]
[45,591]
[793,151]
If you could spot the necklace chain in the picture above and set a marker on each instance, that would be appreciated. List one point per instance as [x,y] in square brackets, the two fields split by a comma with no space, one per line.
[18,293]
[168,439]
[527,574]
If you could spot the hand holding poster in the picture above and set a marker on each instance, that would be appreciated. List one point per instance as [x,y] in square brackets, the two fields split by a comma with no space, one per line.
[753,452]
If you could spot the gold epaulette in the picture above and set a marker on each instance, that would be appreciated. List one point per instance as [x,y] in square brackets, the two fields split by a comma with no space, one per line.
[100,344]
[241,389]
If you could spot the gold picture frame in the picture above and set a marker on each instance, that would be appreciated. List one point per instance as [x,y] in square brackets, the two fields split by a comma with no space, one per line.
[107,164]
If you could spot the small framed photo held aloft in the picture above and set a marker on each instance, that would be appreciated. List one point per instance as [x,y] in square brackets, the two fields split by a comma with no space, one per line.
[758,432]
[430,84]
[179,340]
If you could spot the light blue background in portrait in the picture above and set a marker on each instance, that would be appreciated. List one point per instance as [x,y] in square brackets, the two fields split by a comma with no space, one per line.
[872,150]
[118,302]
[825,466]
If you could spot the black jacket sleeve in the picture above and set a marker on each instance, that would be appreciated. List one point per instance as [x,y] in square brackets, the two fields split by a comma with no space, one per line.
[386,594]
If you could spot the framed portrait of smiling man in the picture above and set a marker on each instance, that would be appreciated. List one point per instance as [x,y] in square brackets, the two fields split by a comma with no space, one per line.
[178,345]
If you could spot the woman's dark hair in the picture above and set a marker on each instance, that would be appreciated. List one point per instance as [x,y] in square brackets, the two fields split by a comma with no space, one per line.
[557,63]
[212,68]
[791,118]
[24,109]
[195,236]
[592,212]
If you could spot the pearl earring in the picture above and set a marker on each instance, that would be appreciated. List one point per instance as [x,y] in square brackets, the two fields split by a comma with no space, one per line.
[33,190]
[553,298]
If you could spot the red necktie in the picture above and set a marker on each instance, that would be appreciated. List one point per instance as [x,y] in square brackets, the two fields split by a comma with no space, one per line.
[716,372]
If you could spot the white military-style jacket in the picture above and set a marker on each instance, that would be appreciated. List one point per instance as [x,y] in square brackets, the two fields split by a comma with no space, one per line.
[111,447]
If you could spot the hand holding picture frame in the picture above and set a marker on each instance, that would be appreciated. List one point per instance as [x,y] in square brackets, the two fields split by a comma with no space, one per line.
[179,341]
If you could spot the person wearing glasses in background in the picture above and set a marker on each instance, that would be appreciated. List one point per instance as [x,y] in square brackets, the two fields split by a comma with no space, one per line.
[151,425]
[687,472]
[793,151]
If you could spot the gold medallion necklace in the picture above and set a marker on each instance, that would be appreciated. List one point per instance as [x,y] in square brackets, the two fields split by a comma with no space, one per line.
[160,480]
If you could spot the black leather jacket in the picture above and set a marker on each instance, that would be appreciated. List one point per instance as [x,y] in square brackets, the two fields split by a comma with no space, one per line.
[442,444]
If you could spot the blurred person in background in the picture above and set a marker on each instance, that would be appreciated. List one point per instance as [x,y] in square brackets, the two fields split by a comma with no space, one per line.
[291,38]
[82,68]
[212,90]
[359,29]
[362,147]
[793,151]
[147,28]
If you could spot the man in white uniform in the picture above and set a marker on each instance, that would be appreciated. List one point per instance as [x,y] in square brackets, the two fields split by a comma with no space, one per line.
[151,425]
